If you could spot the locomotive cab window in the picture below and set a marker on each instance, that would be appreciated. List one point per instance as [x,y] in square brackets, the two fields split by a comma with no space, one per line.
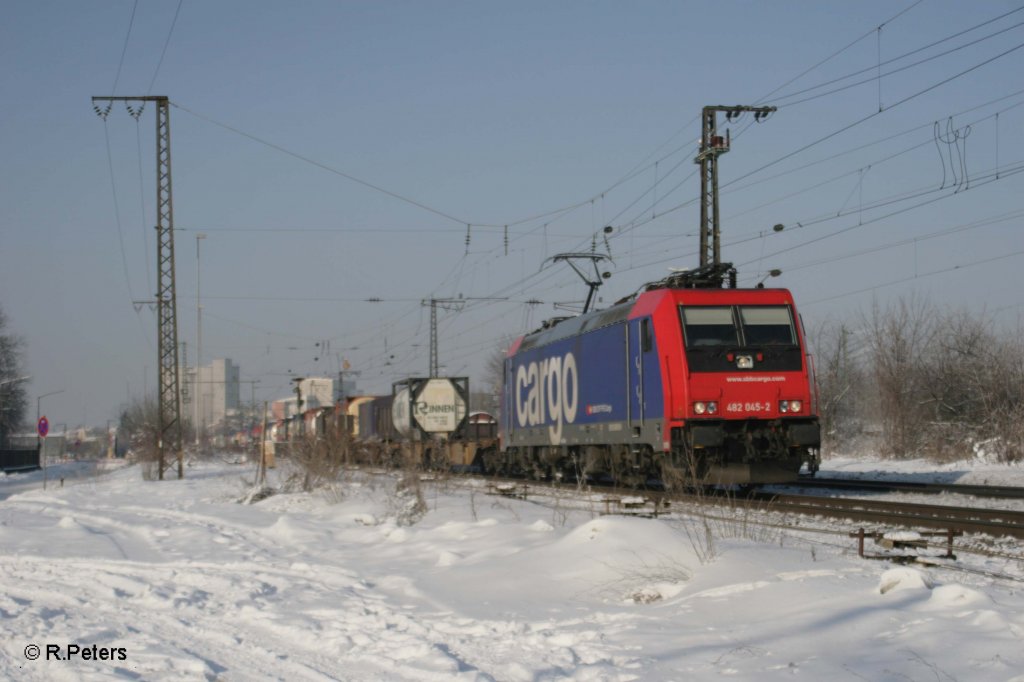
[713,335]
[709,326]
[767,326]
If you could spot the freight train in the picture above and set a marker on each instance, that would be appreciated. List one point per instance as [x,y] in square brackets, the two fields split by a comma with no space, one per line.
[423,422]
[688,382]
[683,382]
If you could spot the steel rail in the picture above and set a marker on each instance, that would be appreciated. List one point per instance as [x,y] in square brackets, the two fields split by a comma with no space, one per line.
[998,491]
[995,522]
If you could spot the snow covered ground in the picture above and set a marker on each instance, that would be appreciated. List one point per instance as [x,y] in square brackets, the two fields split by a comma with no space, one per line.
[178,580]
[977,471]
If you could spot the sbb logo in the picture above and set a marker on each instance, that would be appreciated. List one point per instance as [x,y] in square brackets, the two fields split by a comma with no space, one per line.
[548,391]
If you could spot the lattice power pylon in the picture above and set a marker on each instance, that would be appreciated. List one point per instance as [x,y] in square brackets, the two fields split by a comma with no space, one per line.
[169,436]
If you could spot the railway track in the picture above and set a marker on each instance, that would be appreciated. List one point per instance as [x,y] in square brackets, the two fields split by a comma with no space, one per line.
[994,491]
[995,522]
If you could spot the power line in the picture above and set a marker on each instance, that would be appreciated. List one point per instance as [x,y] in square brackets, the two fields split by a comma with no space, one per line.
[634,224]
[876,113]
[911,278]
[163,52]
[986,222]
[888,138]
[841,50]
[894,71]
[124,49]
[329,169]
[984,180]
[812,88]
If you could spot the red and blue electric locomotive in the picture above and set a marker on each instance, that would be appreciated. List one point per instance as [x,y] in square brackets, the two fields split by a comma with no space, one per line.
[708,384]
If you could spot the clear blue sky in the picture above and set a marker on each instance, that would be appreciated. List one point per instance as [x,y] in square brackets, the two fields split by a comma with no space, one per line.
[484,113]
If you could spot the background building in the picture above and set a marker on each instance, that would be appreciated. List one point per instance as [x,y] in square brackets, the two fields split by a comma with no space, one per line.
[215,393]
[317,392]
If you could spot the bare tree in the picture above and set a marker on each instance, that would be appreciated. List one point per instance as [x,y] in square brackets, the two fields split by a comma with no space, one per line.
[488,398]
[841,377]
[13,396]
[898,338]
[140,424]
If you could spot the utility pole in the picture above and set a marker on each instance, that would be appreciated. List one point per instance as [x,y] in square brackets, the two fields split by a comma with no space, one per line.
[169,437]
[200,415]
[298,403]
[261,473]
[185,393]
[445,304]
[713,145]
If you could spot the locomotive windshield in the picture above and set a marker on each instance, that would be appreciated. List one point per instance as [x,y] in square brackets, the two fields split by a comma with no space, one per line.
[712,333]
[767,326]
[709,326]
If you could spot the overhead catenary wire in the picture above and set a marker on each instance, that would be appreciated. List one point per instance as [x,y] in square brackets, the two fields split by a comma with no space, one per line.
[983,180]
[872,115]
[779,99]
[936,234]
[880,75]
[915,276]
[840,51]
[510,288]
[637,222]
[881,140]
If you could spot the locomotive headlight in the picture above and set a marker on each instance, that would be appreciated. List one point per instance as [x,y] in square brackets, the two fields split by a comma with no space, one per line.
[712,407]
[790,405]
[700,408]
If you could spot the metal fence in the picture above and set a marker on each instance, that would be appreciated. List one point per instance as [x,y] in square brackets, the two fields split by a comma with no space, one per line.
[12,460]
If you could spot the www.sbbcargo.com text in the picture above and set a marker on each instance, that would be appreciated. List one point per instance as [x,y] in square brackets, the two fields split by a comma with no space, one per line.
[75,652]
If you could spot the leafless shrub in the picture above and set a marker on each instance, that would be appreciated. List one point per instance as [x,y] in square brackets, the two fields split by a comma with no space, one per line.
[320,458]
[408,504]
[640,581]
[498,504]
[685,482]
[712,519]
[256,493]
[140,424]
